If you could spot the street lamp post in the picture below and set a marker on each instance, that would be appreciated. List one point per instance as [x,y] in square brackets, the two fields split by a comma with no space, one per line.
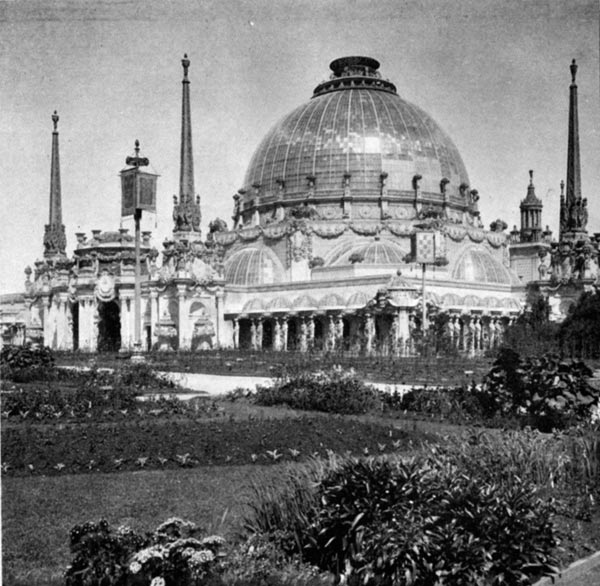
[138,190]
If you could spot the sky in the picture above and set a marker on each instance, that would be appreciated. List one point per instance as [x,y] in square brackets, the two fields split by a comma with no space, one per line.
[493,73]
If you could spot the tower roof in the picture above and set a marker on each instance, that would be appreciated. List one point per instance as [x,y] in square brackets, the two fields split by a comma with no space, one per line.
[531,200]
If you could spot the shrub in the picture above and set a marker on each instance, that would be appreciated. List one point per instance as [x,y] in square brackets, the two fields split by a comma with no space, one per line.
[385,521]
[173,555]
[26,363]
[332,391]
[551,393]
[258,562]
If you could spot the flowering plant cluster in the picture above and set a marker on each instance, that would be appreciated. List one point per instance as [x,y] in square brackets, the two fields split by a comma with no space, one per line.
[173,555]
[335,390]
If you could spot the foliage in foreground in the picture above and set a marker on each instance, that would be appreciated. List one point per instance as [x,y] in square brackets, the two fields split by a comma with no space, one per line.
[470,512]
[176,554]
[332,391]
[173,555]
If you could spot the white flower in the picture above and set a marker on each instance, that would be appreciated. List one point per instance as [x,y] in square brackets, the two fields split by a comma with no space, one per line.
[135,567]
[157,581]
[202,557]
[213,540]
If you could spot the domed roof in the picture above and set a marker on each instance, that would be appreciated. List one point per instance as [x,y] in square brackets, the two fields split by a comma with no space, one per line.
[356,125]
[253,266]
[378,252]
[479,266]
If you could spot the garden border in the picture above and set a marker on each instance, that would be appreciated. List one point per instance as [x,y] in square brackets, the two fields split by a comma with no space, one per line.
[572,575]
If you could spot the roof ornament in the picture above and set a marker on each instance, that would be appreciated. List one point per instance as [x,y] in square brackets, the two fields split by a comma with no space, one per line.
[573,71]
[55,120]
[186,63]
[531,177]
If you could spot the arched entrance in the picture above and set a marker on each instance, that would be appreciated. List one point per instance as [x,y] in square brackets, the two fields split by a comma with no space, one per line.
[109,326]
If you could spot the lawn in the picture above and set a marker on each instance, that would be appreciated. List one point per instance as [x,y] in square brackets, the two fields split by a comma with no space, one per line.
[38,512]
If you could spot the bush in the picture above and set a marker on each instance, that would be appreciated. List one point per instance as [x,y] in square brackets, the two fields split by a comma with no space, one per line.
[332,391]
[386,521]
[547,392]
[172,555]
[26,363]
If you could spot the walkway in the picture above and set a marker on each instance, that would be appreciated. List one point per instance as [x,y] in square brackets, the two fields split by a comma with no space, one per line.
[220,384]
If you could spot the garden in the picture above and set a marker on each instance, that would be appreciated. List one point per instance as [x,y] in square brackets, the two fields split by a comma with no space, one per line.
[319,478]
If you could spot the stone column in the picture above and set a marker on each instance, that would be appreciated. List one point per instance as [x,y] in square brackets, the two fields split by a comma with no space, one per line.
[220,320]
[94,318]
[82,332]
[62,324]
[478,330]
[153,317]
[339,332]
[311,330]
[303,334]
[259,334]
[125,308]
[236,333]
[284,334]
[253,335]
[403,330]
[369,333]
[184,339]
[331,334]
[277,334]
[46,320]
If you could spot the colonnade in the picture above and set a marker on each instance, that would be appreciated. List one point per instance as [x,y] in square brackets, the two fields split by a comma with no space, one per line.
[394,333]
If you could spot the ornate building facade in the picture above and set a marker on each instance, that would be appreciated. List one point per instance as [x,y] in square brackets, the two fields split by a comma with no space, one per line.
[321,249]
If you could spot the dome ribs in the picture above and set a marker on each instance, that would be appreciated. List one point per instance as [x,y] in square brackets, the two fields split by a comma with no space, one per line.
[361,131]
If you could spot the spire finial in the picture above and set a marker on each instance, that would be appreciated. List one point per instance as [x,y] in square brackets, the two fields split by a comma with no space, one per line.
[530,176]
[55,120]
[573,71]
[137,148]
[186,63]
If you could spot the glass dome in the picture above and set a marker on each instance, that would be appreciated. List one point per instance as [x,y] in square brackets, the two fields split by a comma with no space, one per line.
[479,266]
[378,252]
[253,266]
[355,124]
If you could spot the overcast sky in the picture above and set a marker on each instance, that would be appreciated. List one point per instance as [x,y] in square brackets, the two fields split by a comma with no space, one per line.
[494,74]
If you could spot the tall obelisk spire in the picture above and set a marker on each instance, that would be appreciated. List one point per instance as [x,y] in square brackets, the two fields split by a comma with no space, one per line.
[55,241]
[575,206]
[186,210]
[573,165]
[186,169]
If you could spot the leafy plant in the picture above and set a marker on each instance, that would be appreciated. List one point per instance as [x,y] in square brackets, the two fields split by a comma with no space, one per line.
[417,521]
[173,555]
[27,362]
[333,391]
[550,392]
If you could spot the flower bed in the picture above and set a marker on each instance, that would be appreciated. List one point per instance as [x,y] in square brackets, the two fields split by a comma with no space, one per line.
[170,444]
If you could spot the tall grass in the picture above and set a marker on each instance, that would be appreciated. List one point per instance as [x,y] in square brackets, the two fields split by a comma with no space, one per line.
[287,503]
